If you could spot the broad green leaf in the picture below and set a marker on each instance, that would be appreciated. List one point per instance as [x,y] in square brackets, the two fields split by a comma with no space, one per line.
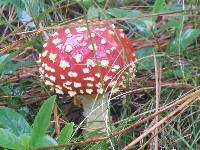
[142,24]
[93,12]
[4,59]
[144,61]
[66,133]
[17,3]
[158,6]
[13,121]
[85,3]
[45,141]
[41,122]
[183,39]
[9,140]
[172,23]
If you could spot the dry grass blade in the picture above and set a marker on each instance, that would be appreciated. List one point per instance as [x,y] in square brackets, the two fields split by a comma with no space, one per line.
[191,98]
[181,103]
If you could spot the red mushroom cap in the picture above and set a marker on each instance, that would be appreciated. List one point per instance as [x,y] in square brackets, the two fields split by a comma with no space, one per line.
[85,58]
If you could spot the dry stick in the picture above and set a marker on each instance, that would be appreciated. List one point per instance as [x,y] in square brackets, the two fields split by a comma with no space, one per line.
[158,90]
[114,19]
[56,119]
[191,99]
[178,102]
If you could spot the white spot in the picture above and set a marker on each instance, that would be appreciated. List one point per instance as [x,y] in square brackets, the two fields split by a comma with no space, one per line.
[62,76]
[121,30]
[104,63]
[38,61]
[59,91]
[48,83]
[68,48]
[41,70]
[52,78]
[90,62]
[81,91]
[72,93]
[39,55]
[89,91]
[92,35]
[115,68]
[52,57]
[90,84]
[80,21]
[68,88]
[100,91]
[103,41]
[77,58]
[45,45]
[67,31]
[79,38]
[122,35]
[77,84]
[72,74]
[63,64]
[113,48]
[46,75]
[108,51]
[111,32]
[86,70]
[102,29]
[69,35]
[47,68]
[44,54]
[60,46]
[89,79]
[91,47]
[133,54]
[84,43]
[112,84]
[97,75]
[113,26]
[98,85]
[59,87]
[106,78]
[56,41]
[55,34]
[67,83]
[81,29]
[115,90]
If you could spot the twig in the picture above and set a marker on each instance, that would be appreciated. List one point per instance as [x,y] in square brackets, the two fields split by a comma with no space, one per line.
[183,100]
[158,90]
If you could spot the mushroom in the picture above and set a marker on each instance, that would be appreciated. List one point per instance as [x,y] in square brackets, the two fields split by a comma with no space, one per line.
[87,60]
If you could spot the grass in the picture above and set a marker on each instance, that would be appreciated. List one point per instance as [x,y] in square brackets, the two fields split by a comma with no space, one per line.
[160,106]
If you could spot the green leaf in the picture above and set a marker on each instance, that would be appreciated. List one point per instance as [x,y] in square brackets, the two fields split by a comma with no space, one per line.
[9,140]
[93,12]
[17,3]
[99,146]
[184,39]
[142,24]
[158,6]
[4,59]
[66,133]
[45,141]
[41,122]
[13,121]
[85,3]
[142,55]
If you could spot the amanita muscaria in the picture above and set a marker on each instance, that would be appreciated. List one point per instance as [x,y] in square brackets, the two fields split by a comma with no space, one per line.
[87,59]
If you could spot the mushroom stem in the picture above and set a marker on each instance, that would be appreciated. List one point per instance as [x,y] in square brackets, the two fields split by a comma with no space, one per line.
[95,109]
